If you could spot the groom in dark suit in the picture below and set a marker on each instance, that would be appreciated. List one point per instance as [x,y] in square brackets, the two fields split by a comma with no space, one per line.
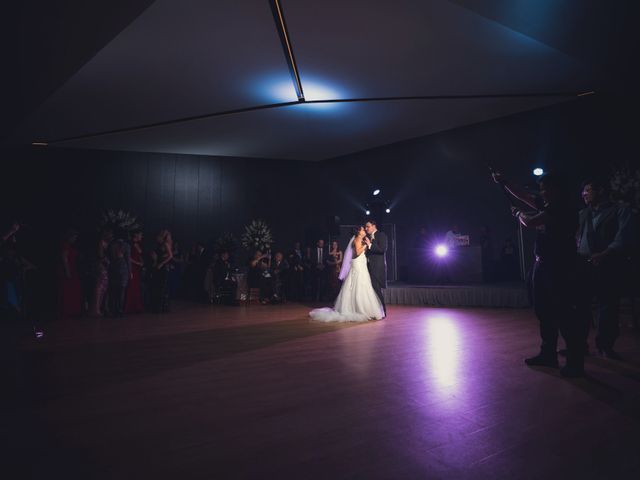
[376,242]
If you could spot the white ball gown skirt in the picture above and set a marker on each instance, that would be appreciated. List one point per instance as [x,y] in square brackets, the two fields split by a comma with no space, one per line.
[357,301]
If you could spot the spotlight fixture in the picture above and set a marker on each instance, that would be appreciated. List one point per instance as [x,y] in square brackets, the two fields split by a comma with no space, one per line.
[376,192]
[388,210]
[441,250]
[368,212]
[39,143]
[538,171]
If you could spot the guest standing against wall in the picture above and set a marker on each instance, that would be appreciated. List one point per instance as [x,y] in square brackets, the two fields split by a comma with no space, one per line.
[161,257]
[134,302]
[319,257]
[119,273]
[334,263]
[604,235]
[100,272]
[70,294]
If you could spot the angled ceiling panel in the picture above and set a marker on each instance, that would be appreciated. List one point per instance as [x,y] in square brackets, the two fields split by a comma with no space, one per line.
[312,131]
[198,57]
[178,59]
[420,47]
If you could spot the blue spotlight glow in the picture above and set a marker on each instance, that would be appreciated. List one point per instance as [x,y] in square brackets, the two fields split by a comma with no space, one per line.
[319,91]
[283,91]
[538,171]
[367,212]
[278,88]
[388,210]
[376,192]
[273,88]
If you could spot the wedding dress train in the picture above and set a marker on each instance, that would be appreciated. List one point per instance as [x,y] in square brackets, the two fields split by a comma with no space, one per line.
[357,301]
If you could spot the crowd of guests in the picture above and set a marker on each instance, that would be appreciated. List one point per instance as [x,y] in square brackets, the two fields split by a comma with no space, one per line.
[115,273]
[108,275]
[300,274]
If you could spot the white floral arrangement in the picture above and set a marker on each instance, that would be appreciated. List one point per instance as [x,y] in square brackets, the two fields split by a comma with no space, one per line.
[625,187]
[257,236]
[120,219]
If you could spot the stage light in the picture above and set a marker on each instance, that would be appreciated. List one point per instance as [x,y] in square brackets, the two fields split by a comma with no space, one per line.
[367,212]
[441,251]
[538,171]
[388,210]
[376,192]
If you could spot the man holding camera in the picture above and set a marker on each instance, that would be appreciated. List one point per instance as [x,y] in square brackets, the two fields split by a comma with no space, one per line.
[554,271]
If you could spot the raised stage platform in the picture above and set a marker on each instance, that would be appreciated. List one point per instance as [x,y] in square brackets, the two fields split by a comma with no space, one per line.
[512,295]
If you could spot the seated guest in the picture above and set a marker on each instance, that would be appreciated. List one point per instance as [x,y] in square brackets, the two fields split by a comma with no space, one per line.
[259,275]
[224,283]
[295,281]
[279,272]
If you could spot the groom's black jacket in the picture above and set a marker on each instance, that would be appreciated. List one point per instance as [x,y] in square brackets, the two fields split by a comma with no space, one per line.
[376,258]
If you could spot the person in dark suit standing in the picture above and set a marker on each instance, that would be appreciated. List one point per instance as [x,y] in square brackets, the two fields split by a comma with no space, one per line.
[318,260]
[376,242]
[554,271]
[604,233]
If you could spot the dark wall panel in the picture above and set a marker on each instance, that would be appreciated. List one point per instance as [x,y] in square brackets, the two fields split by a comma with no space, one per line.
[196,197]
[134,183]
[209,192]
[161,192]
[235,194]
[185,211]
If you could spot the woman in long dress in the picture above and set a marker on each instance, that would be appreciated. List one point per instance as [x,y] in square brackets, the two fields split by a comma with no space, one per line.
[357,301]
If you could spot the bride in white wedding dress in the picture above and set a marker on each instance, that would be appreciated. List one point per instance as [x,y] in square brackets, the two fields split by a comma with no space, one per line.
[357,301]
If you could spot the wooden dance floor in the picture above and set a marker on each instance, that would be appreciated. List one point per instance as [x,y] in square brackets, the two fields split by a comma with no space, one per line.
[217,392]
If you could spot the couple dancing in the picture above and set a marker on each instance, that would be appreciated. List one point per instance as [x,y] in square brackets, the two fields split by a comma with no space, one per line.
[364,275]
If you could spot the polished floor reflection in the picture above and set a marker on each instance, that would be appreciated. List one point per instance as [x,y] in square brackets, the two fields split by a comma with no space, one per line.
[260,392]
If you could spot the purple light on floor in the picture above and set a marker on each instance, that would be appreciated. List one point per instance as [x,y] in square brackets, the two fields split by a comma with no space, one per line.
[444,352]
[441,251]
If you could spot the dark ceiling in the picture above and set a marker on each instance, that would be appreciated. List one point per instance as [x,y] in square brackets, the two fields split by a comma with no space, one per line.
[82,71]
